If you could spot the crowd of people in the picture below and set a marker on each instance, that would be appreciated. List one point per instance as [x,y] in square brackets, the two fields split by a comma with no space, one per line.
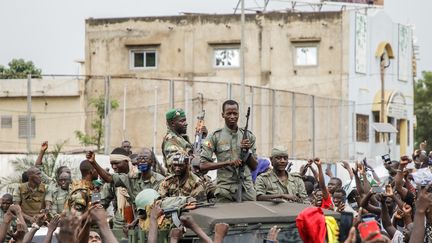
[372,209]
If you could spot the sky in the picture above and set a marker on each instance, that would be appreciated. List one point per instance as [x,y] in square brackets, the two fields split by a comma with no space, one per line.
[51,32]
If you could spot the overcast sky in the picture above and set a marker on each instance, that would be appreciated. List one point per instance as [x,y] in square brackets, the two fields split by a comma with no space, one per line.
[51,32]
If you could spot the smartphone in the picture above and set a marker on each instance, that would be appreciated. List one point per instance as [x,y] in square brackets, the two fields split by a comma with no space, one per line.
[366,228]
[96,197]
[386,158]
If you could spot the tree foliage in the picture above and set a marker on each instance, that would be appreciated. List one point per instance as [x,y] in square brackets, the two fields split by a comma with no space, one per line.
[97,125]
[423,109]
[19,69]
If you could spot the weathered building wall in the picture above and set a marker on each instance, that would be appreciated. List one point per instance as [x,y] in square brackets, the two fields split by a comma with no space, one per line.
[185,46]
[57,107]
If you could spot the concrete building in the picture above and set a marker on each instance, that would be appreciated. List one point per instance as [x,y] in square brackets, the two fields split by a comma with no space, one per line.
[57,107]
[304,73]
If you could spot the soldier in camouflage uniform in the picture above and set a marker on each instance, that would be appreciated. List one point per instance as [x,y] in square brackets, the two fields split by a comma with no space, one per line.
[279,183]
[56,195]
[127,186]
[30,195]
[80,191]
[176,140]
[227,143]
[183,182]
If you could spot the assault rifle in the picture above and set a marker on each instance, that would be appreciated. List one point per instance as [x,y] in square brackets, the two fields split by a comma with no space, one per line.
[175,212]
[244,156]
[198,141]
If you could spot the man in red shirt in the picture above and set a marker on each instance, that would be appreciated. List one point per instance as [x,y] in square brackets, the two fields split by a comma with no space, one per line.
[321,195]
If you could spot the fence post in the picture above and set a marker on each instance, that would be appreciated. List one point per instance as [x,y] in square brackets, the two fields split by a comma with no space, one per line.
[171,94]
[29,111]
[293,125]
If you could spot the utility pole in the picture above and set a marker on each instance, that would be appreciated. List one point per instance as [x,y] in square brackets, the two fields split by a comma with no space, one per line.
[29,106]
[242,62]
[155,110]
[107,115]
[124,112]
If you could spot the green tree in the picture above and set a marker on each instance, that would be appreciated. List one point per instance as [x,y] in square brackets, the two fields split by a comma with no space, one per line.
[19,68]
[97,133]
[423,109]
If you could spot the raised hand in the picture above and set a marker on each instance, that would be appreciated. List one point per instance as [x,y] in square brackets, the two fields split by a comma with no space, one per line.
[317,161]
[273,234]
[44,146]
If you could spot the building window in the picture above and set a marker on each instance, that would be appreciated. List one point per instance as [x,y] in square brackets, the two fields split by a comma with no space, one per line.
[306,56]
[226,57]
[22,127]
[143,59]
[6,121]
[362,123]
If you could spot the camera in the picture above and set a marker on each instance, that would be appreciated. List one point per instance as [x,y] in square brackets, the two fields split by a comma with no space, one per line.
[386,158]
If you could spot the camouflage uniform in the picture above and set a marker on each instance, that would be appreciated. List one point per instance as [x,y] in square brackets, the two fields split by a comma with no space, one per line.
[191,186]
[225,143]
[57,196]
[31,202]
[269,184]
[174,143]
[12,227]
[80,193]
[135,184]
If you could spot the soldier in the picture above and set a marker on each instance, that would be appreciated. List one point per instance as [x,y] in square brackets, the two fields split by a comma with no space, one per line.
[30,195]
[80,191]
[278,183]
[133,182]
[183,182]
[45,178]
[176,139]
[126,145]
[6,201]
[227,143]
[56,195]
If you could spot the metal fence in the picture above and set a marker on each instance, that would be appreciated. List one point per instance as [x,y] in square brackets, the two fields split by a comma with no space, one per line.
[307,125]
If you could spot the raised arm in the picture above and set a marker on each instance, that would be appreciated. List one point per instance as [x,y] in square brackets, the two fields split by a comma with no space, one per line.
[385,217]
[321,181]
[42,151]
[424,201]
[347,167]
[399,177]
[101,171]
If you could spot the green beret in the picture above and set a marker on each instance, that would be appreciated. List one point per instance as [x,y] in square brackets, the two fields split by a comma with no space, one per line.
[279,151]
[173,113]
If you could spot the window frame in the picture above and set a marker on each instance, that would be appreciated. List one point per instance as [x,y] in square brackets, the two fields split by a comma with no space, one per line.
[307,45]
[132,52]
[33,127]
[228,47]
[3,124]
[367,129]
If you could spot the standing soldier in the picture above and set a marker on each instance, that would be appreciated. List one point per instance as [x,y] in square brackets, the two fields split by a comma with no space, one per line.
[182,182]
[56,195]
[176,139]
[278,183]
[227,144]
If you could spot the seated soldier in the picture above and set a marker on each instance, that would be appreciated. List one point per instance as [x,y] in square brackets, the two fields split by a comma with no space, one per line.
[30,195]
[56,195]
[183,182]
[279,183]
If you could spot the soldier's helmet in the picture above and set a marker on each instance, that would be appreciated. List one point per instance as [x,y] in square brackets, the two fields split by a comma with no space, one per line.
[145,198]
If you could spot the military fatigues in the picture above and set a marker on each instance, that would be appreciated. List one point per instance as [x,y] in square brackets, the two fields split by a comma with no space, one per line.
[225,143]
[269,184]
[57,196]
[172,186]
[12,227]
[31,201]
[135,184]
[80,192]
[172,144]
